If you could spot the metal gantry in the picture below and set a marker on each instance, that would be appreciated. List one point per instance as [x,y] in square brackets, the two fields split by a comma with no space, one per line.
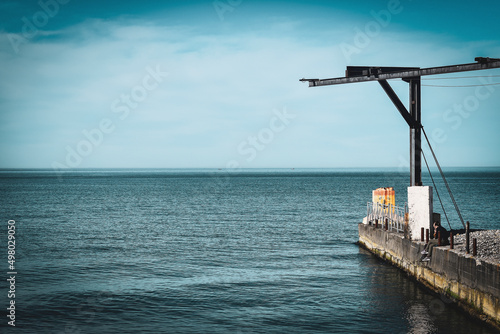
[412,75]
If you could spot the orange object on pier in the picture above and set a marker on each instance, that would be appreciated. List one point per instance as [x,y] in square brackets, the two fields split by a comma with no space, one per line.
[385,196]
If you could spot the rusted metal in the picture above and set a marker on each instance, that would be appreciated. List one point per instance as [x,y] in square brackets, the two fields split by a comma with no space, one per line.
[413,119]
[412,75]
[376,223]
[360,71]
[439,238]
[484,60]
[427,235]
[415,133]
[374,73]
[397,102]
[386,224]
[474,247]
[421,234]
[451,240]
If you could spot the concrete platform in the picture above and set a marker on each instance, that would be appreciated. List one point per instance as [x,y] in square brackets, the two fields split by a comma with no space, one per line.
[473,284]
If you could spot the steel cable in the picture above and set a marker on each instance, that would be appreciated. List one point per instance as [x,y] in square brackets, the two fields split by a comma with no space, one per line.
[444,179]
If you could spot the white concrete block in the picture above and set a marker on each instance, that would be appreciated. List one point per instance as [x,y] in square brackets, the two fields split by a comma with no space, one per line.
[419,209]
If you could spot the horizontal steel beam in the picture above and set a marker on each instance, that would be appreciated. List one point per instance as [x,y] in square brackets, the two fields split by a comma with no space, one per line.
[358,71]
[482,64]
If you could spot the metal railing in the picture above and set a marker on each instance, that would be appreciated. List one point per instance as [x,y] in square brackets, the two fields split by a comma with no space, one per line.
[381,214]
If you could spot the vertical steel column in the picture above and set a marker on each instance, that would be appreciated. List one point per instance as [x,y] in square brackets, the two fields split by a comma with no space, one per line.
[415,133]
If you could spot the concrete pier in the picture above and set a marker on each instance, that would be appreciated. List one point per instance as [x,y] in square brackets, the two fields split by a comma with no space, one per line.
[473,284]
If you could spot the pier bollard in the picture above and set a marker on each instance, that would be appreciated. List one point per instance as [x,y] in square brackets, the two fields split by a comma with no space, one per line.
[439,238]
[474,247]
[451,240]
[421,234]
[376,223]
[467,235]
[427,235]
[386,225]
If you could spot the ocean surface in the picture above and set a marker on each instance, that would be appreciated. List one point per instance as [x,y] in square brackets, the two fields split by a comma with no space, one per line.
[212,251]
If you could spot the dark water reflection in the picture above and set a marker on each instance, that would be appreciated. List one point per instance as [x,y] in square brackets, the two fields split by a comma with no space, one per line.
[397,296]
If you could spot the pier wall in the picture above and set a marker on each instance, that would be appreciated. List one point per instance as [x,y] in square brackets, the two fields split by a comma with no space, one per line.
[474,285]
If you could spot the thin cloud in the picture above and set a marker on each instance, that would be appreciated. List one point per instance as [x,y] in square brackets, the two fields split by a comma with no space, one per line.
[220,89]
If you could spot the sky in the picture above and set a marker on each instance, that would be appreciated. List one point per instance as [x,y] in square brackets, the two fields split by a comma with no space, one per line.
[215,84]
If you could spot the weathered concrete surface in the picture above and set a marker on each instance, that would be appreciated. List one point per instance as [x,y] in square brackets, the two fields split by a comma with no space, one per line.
[473,285]
[420,210]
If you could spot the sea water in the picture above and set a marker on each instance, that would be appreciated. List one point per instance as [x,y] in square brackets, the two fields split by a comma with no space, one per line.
[217,251]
